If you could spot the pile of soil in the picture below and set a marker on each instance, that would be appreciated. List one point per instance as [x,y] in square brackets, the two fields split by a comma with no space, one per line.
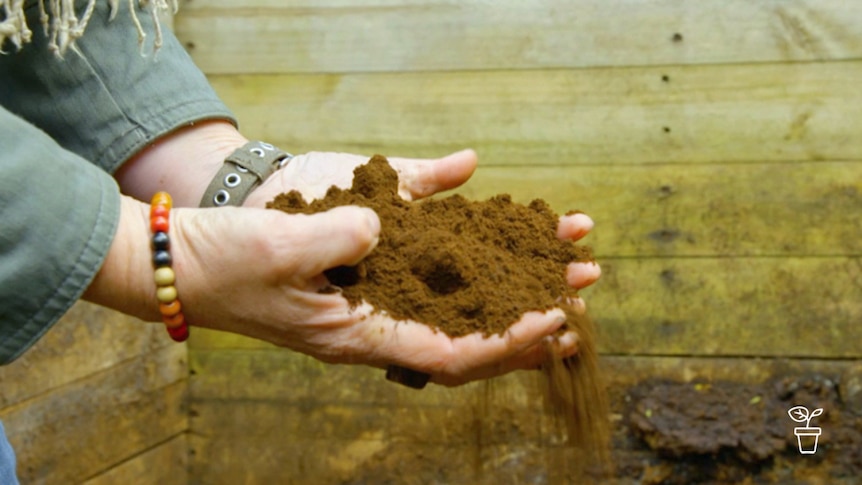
[459,265]
[472,266]
[722,431]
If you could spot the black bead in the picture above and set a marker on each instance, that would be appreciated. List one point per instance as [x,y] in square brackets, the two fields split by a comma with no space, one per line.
[161,258]
[161,241]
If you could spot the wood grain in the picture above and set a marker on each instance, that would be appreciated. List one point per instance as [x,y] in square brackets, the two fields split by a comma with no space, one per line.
[712,210]
[336,36]
[87,340]
[650,115]
[82,429]
[771,307]
[165,464]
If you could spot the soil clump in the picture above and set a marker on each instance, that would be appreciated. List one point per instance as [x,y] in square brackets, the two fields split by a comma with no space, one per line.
[455,264]
[465,266]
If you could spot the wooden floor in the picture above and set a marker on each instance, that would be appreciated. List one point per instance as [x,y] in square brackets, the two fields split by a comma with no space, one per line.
[716,143]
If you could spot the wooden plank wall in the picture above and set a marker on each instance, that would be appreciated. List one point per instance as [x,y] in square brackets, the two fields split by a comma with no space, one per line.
[717,144]
[100,399]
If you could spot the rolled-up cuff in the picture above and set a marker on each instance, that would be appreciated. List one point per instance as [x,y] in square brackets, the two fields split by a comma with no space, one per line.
[59,215]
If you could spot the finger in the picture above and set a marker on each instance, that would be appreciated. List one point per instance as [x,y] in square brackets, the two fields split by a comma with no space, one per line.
[425,349]
[338,237]
[478,357]
[581,275]
[552,346]
[421,178]
[574,226]
[578,305]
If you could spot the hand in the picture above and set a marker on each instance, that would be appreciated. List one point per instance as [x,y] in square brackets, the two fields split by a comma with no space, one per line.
[257,272]
[313,173]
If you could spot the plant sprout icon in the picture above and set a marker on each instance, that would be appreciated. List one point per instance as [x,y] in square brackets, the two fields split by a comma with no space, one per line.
[806,436]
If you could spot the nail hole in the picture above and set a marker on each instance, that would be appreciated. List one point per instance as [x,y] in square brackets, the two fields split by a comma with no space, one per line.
[666,129]
[677,37]
[665,78]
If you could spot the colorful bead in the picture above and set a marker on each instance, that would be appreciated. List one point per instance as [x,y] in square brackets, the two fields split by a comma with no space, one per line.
[179,334]
[166,294]
[174,321]
[159,224]
[162,258]
[159,211]
[170,309]
[162,198]
[164,276]
[161,241]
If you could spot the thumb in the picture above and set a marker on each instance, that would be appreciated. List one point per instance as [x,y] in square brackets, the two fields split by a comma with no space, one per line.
[338,237]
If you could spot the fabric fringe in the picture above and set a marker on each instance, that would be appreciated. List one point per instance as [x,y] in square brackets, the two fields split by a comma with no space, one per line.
[63,27]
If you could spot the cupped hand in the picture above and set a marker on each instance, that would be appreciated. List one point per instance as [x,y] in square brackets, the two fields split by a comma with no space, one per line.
[324,325]
[258,273]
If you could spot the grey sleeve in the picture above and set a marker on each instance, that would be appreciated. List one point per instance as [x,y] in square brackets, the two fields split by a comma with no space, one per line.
[59,211]
[58,215]
[111,101]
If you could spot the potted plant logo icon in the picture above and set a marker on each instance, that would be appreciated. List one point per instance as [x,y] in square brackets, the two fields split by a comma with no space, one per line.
[806,436]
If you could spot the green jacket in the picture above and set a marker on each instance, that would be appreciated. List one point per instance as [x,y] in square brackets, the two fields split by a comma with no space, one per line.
[65,127]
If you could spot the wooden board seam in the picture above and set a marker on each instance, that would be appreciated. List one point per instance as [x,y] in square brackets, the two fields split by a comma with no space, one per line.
[140,453]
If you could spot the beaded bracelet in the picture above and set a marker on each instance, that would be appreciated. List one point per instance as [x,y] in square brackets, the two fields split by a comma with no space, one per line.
[164,276]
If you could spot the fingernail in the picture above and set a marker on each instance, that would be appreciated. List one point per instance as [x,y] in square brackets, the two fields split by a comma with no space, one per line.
[462,152]
[579,305]
[585,221]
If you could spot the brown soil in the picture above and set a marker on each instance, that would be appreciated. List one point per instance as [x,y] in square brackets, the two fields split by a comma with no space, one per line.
[725,432]
[473,266]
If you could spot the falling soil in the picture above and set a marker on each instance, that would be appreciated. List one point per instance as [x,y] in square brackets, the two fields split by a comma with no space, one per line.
[466,266]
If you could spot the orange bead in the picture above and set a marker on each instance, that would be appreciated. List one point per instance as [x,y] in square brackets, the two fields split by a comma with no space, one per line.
[162,198]
[175,321]
[159,211]
[170,309]
[159,224]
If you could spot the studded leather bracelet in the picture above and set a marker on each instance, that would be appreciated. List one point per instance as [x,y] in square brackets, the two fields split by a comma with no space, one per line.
[243,170]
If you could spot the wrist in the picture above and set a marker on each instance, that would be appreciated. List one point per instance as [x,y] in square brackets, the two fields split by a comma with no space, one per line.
[181,163]
[124,282]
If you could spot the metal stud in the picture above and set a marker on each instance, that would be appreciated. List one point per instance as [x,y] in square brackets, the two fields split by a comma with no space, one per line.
[231,180]
[221,197]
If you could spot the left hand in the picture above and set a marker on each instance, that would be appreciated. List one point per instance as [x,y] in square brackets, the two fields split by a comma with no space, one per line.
[313,173]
